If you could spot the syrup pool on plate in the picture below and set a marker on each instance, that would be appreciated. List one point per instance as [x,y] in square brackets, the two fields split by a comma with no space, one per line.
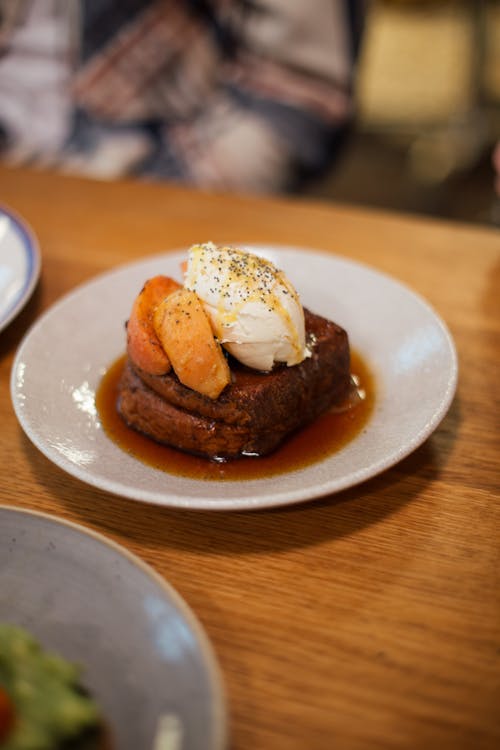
[309,445]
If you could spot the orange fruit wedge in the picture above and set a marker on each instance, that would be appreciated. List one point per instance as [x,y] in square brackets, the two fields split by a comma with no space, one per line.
[143,346]
[185,333]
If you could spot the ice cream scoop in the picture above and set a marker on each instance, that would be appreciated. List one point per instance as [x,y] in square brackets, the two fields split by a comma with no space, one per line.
[254,310]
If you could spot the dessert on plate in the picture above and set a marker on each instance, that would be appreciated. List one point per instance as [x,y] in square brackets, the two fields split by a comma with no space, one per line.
[229,363]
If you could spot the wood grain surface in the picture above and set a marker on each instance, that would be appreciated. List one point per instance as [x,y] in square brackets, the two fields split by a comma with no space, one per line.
[365,620]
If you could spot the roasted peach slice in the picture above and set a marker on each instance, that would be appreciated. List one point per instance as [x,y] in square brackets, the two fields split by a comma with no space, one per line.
[185,333]
[143,346]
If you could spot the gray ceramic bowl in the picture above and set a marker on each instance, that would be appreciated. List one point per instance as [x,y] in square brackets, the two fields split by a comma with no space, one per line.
[144,655]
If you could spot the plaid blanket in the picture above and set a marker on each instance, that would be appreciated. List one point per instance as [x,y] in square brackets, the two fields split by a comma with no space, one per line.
[247,95]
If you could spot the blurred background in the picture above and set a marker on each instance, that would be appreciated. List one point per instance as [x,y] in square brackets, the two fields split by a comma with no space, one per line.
[428,111]
[427,98]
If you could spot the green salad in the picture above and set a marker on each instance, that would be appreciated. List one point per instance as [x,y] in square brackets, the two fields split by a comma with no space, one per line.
[42,703]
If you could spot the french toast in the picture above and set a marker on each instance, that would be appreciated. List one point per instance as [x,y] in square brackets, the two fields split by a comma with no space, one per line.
[254,413]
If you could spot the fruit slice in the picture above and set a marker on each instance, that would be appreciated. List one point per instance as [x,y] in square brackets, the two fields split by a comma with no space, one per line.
[7,717]
[143,346]
[184,331]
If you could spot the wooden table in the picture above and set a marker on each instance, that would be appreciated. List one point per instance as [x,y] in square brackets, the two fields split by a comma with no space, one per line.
[369,619]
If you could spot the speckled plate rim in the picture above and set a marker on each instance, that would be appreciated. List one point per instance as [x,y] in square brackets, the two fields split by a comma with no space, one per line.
[333,474]
[30,247]
[205,648]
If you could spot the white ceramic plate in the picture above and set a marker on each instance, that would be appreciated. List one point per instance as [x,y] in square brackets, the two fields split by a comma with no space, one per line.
[62,359]
[143,654]
[19,266]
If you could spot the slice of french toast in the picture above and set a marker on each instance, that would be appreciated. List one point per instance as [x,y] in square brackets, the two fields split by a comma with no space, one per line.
[254,413]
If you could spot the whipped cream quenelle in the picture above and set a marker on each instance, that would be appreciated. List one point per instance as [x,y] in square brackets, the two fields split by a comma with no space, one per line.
[255,311]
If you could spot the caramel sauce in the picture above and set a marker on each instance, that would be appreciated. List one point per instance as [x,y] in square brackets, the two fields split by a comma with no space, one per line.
[326,435]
